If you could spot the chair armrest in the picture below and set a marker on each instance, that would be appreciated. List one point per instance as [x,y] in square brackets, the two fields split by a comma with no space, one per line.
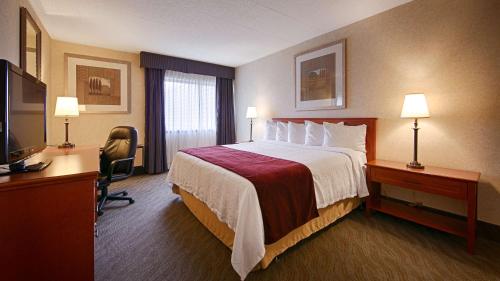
[113,164]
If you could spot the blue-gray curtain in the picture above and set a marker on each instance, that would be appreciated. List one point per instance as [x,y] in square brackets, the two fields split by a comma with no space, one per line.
[155,157]
[155,65]
[225,111]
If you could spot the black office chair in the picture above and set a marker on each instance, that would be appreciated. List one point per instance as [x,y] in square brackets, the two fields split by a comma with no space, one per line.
[117,163]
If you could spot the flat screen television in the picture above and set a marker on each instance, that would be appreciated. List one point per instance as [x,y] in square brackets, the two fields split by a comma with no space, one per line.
[22,115]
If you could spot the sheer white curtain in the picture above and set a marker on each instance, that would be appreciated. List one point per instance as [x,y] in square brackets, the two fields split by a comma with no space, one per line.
[189,111]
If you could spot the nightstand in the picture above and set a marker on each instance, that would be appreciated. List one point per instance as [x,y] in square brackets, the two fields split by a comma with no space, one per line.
[457,184]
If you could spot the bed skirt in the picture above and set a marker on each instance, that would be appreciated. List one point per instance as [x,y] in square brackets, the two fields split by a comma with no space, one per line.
[327,216]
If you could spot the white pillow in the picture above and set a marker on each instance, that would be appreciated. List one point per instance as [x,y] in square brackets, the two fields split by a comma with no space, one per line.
[314,133]
[270,130]
[339,123]
[296,132]
[338,135]
[282,131]
[325,141]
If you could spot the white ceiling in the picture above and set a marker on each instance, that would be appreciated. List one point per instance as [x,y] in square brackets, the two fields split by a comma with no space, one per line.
[228,32]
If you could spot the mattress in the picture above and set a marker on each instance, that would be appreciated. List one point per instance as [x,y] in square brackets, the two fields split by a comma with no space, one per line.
[338,174]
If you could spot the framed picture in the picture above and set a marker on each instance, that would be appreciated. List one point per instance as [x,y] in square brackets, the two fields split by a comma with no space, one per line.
[320,78]
[30,45]
[101,85]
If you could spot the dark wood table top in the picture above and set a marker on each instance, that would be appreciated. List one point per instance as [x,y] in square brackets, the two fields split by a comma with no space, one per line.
[66,163]
[428,170]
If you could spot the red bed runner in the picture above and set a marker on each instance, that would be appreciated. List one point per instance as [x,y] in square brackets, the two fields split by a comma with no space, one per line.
[285,188]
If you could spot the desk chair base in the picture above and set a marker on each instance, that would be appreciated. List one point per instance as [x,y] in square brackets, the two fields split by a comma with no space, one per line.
[117,196]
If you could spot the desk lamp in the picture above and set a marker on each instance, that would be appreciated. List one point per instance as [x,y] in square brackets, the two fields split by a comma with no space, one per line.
[415,106]
[67,107]
[251,114]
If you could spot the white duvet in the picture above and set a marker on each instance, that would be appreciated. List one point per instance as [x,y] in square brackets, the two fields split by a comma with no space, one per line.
[338,173]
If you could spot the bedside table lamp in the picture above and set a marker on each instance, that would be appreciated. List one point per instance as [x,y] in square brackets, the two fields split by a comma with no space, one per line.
[415,106]
[67,107]
[251,114]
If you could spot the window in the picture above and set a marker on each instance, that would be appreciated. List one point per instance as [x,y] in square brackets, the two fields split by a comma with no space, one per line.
[190,119]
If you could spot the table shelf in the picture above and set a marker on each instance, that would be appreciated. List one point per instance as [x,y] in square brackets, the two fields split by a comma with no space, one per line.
[422,216]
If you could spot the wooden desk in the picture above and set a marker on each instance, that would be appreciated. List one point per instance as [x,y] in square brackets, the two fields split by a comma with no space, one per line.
[451,183]
[47,218]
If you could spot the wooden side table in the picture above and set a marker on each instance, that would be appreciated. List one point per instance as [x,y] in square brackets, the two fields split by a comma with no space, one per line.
[450,183]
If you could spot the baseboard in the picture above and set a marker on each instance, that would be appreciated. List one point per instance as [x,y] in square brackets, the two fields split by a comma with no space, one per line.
[139,170]
[488,231]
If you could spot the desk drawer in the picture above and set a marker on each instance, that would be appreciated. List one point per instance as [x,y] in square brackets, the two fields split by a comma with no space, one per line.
[421,182]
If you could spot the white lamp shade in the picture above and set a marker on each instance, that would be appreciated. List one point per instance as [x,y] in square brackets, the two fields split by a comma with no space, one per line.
[67,107]
[415,106]
[251,112]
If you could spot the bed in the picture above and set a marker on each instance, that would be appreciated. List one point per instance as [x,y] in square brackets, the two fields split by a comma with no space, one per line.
[227,205]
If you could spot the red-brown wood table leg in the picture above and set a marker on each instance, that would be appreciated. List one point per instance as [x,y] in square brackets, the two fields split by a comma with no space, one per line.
[471,216]
[374,197]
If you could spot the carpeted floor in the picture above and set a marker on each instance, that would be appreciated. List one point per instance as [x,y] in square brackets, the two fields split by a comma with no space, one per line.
[157,238]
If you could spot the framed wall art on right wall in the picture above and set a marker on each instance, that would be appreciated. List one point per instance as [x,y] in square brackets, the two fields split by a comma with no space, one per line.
[320,78]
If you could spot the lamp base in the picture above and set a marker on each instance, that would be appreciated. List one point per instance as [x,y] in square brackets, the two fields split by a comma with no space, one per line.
[66,145]
[415,165]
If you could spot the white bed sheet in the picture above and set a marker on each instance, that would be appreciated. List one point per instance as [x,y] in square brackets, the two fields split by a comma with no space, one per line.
[338,174]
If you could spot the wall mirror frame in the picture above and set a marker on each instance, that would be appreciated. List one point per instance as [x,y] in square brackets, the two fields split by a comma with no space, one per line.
[30,45]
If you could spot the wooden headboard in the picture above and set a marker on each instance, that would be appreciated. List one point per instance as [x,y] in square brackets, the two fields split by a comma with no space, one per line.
[371,129]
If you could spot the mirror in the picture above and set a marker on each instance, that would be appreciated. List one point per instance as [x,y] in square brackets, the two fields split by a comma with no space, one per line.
[31,45]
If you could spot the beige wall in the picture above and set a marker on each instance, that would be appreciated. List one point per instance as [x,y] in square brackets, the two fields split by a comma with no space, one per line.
[9,29]
[10,34]
[94,128]
[88,128]
[447,49]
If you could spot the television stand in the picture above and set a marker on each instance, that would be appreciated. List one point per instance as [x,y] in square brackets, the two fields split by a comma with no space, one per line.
[38,166]
[21,167]
[17,167]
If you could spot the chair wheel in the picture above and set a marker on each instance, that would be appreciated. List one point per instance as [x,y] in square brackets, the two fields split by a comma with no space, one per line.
[125,193]
[131,201]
